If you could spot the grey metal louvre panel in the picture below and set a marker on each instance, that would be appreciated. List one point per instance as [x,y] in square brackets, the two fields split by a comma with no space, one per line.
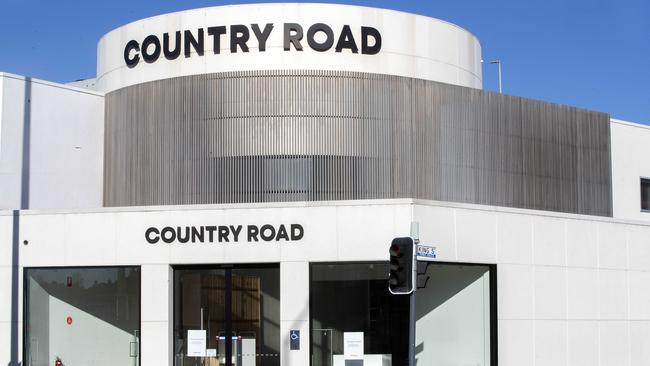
[325,135]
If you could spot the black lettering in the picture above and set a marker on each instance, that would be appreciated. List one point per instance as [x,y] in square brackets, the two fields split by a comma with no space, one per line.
[292,35]
[311,37]
[235,230]
[211,230]
[346,40]
[132,45]
[191,42]
[223,234]
[197,234]
[297,232]
[179,234]
[282,234]
[169,54]
[150,41]
[168,234]
[147,235]
[370,32]
[252,233]
[262,37]
[216,33]
[267,232]
[238,37]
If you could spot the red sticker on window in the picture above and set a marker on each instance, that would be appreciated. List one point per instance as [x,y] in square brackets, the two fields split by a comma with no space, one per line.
[69,320]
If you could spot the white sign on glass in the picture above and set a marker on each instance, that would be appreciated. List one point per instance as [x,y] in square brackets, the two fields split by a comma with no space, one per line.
[211,352]
[196,342]
[353,345]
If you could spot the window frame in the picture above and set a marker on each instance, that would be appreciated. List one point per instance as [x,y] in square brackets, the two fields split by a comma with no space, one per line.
[642,181]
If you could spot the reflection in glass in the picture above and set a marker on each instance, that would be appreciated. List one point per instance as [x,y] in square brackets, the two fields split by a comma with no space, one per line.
[84,316]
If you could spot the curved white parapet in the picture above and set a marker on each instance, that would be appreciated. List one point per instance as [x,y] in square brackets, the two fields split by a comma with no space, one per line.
[411,45]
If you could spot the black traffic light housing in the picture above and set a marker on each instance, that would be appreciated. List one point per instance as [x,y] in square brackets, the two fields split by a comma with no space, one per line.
[400,277]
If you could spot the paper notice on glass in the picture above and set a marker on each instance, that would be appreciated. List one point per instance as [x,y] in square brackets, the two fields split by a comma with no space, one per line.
[196,340]
[353,345]
[211,352]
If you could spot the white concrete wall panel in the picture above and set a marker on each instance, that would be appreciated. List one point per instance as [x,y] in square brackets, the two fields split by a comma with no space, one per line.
[5,341]
[2,80]
[11,141]
[515,238]
[549,246]
[438,229]
[612,245]
[630,147]
[582,293]
[639,343]
[582,341]
[516,290]
[516,342]
[581,244]
[551,343]
[412,45]
[67,147]
[613,294]
[157,321]
[615,343]
[62,158]
[550,286]
[476,236]
[294,311]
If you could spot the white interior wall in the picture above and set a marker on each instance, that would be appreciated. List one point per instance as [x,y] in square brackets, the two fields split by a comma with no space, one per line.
[66,143]
[453,317]
[88,340]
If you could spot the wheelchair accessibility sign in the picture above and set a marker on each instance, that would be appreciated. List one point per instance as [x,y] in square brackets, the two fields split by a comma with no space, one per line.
[294,340]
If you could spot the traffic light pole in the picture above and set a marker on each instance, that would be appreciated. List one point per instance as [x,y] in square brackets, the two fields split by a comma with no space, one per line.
[415,234]
[412,329]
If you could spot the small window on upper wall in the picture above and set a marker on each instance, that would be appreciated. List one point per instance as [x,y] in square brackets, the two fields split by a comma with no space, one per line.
[645,194]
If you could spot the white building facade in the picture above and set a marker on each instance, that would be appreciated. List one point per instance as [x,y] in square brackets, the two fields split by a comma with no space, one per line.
[227,191]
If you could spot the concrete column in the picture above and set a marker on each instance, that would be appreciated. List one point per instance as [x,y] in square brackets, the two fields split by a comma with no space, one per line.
[157,317]
[294,311]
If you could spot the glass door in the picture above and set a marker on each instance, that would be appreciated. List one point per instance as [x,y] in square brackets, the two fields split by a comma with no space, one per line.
[227,316]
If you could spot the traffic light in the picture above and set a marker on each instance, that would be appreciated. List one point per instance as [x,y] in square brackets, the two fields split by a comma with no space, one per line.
[400,277]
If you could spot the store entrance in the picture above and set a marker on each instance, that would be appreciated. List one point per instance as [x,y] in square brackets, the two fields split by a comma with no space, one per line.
[227,315]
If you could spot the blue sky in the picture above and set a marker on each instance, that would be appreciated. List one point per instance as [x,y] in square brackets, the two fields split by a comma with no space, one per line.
[593,54]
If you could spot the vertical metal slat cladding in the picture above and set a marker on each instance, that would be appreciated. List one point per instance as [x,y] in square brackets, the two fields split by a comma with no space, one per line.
[320,135]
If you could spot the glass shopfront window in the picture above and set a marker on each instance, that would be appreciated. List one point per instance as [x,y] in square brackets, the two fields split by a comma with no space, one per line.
[456,316]
[356,321]
[349,302]
[227,316]
[82,316]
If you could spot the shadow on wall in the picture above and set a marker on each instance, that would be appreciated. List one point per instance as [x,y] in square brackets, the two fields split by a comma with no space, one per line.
[445,282]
